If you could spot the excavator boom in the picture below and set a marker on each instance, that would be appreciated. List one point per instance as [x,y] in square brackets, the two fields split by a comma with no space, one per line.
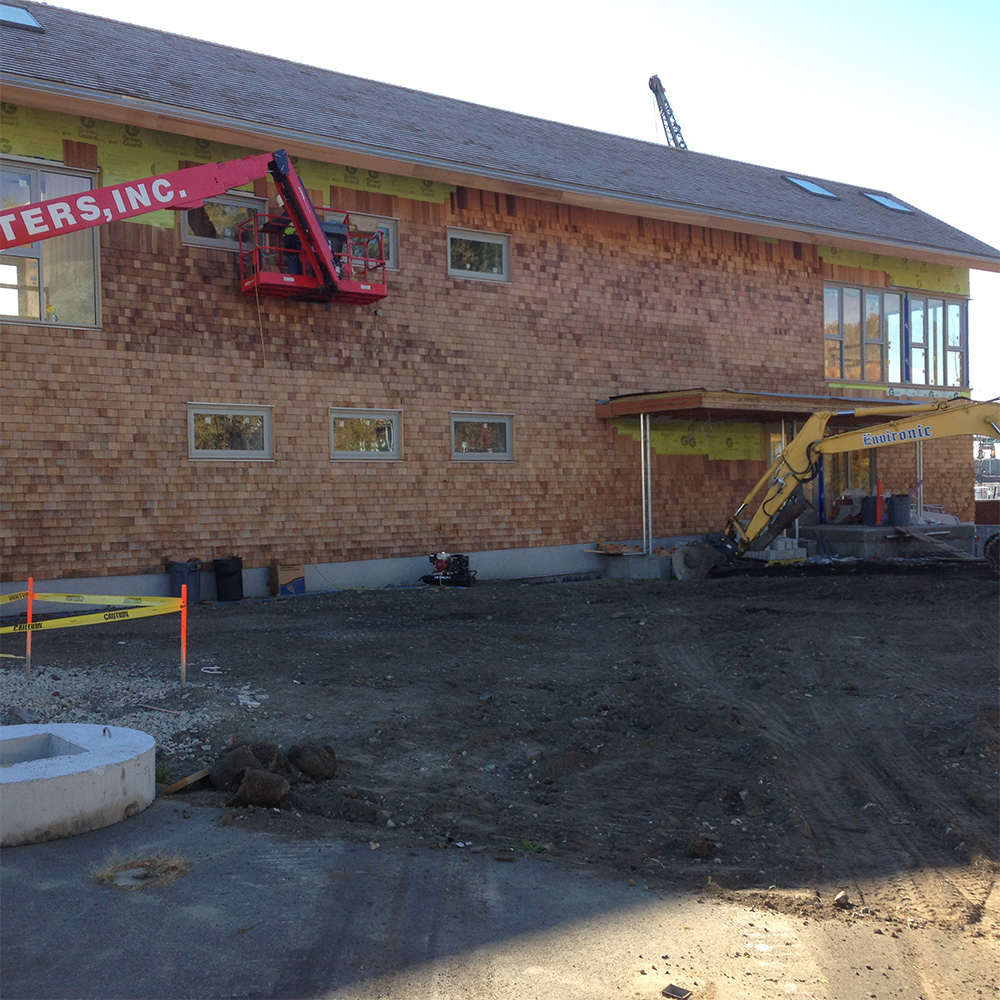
[782,501]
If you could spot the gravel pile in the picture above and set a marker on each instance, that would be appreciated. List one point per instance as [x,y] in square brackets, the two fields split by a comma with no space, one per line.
[114,694]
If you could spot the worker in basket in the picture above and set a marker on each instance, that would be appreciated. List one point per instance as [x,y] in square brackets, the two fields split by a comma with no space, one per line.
[292,245]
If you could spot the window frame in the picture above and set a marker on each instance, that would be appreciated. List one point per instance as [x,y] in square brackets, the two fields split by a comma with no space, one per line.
[395,454]
[240,199]
[264,454]
[480,236]
[42,251]
[365,222]
[910,343]
[507,419]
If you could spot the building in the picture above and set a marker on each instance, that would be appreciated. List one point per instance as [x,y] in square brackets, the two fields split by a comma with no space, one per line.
[536,271]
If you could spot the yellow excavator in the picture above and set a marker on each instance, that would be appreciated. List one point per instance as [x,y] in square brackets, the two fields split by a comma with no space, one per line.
[783,501]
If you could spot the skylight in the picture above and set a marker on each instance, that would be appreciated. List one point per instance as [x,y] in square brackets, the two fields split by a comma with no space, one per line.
[811,186]
[18,17]
[887,202]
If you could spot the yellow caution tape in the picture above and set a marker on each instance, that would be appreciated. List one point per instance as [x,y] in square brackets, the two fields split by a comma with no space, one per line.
[135,607]
[128,602]
[101,617]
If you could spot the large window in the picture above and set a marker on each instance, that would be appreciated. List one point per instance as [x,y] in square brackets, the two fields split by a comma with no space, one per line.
[478,255]
[364,434]
[53,280]
[482,436]
[217,222]
[229,431]
[873,335]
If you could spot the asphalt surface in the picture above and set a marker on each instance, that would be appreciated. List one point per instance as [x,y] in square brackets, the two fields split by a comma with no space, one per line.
[258,916]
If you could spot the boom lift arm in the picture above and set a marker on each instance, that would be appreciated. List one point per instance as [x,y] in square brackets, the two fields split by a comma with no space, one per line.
[782,501]
[320,276]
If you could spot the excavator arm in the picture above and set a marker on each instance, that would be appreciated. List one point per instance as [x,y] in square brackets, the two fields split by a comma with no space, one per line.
[782,501]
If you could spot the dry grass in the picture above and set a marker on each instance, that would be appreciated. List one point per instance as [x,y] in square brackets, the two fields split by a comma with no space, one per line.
[131,873]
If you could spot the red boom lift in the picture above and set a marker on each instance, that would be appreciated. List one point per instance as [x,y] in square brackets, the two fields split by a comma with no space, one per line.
[295,255]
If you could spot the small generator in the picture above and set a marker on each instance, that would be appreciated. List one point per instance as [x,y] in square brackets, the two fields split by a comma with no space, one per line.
[449,571]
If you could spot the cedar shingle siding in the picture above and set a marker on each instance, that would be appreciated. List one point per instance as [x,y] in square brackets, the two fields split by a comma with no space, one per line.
[633,267]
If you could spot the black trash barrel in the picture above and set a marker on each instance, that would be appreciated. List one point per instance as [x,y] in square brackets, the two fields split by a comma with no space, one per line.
[228,578]
[189,573]
[869,511]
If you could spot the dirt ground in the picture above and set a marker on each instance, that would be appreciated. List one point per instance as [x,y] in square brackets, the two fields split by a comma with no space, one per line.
[771,737]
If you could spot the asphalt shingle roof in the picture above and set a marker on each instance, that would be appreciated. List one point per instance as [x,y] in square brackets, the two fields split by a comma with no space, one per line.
[111,60]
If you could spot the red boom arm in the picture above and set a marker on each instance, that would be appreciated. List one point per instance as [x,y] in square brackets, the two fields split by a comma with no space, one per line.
[178,190]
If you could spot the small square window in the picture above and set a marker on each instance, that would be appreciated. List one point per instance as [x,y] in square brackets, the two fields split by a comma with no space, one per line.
[229,431]
[217,222]
[482,437]
[478,255]
[886,202]
[387,227]
[364,435]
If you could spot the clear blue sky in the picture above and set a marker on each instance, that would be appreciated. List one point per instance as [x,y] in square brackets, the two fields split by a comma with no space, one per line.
[892,95]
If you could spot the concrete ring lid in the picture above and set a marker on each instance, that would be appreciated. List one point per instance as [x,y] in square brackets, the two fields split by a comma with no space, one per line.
[66,778]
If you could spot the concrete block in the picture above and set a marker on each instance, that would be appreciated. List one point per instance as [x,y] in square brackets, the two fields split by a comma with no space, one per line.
[67,778]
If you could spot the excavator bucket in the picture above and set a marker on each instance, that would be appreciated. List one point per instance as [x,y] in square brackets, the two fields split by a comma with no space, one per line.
[696,561]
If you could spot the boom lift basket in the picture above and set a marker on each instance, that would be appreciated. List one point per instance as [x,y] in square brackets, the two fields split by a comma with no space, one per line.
[274,262]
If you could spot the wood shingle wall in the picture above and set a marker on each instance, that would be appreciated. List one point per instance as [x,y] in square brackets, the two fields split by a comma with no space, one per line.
[98,479]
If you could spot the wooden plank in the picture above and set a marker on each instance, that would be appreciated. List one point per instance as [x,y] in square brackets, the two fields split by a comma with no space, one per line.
[935,543]
[189,780]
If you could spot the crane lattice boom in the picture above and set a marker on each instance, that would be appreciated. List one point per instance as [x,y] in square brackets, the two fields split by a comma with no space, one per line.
[670,126]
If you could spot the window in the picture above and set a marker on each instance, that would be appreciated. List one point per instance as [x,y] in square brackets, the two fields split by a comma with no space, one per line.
[871,335]
[364,434]
[18,17]
[217,222]
[482,437]
[388,229]
[478,255]
[886,202]
[52,280]
[937,342]
[811,186]
[229,431]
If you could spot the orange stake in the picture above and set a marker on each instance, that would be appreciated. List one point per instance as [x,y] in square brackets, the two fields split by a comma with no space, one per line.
[184,633]
[27,635]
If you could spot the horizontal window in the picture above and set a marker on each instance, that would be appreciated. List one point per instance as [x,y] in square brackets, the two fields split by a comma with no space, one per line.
[873,335]
[217,222]
[390,238]
[229,431]
[482,436]
[478,255]
[364,434]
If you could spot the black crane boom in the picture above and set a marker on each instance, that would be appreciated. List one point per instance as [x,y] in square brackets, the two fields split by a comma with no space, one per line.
[670,126]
